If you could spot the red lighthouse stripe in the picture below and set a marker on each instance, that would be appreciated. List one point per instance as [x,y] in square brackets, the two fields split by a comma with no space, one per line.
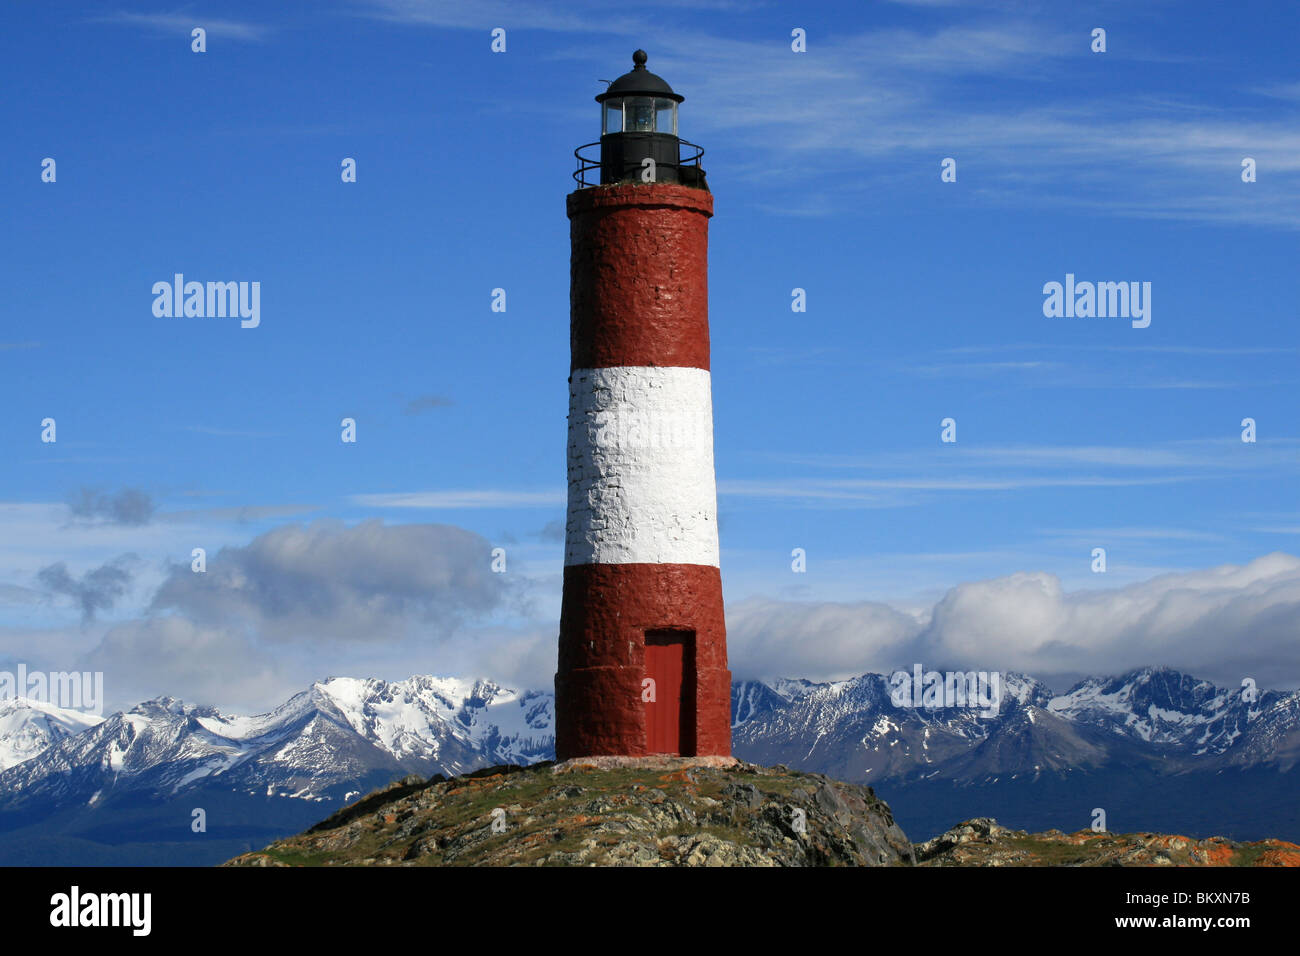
[607,612]
[639,276]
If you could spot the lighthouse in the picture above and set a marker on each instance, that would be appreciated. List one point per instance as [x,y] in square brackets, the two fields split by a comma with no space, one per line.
[643,647]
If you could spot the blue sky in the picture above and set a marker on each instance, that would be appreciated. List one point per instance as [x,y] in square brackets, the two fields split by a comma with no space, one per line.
[924,302]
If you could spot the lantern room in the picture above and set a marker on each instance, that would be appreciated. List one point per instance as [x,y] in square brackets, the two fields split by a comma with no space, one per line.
[638,134]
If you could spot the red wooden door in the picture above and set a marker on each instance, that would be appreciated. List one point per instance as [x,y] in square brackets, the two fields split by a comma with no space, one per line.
[665,659]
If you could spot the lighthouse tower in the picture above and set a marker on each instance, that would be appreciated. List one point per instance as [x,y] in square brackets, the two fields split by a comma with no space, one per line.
[643,652]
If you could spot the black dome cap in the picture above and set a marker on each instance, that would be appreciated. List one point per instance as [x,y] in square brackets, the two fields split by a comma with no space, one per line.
[639,82]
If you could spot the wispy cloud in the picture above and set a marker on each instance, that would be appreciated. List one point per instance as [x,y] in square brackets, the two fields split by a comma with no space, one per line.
[1280,91]
[424,403]
[464,498]
[1197,455]
[16,594]
[980,369]
[1066,366]
[906,477]
[1131,534]
[130,506]
[96,590]
[239,514]
[1209,351]
[574,16]
[1060,375]
[483,14]
[933,3]
[185,22]
[903,100]
[228,432]
[899,492]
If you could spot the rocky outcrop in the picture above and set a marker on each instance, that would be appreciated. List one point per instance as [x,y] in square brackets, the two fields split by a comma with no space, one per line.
[982,842]
[659,812]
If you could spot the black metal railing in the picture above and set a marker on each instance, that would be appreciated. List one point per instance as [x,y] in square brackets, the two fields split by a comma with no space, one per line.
[688,157]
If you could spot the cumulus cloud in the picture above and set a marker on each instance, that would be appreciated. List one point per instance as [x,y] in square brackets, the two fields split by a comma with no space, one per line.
[96,590]
[517,657]
[172,656]
[1222,623]
[130,506]
[824,641]
[329,581]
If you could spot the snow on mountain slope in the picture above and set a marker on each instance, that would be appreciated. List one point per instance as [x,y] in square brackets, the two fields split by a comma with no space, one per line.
[344,734]
[314,746]
[1163,707]
[853,729]
[28,727]
[409,718]
[1147,717]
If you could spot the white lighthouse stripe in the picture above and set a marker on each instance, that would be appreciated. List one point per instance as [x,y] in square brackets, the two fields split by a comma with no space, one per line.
[641,483]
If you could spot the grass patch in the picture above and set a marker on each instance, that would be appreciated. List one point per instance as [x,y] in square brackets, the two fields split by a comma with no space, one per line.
[1052,854]
[294,857]
[1248,855]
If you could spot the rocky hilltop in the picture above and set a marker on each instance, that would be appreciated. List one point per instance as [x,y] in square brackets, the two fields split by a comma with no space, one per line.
[655,812]
[674,812]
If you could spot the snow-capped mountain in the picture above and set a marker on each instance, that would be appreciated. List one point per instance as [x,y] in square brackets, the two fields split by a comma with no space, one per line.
[1162,706]
[28,727]
[1154,747]
[853,729]
[323,744]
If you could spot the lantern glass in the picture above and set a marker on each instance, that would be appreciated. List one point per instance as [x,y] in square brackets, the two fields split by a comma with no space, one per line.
[665,116]
[639,115]
[613,116]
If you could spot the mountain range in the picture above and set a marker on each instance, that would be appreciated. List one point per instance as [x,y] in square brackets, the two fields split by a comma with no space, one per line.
[1153,750]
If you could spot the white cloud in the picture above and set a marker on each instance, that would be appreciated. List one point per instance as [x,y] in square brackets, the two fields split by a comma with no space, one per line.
[1222,623]
[327,581]
[822,641]
[173,656]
